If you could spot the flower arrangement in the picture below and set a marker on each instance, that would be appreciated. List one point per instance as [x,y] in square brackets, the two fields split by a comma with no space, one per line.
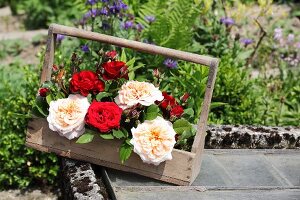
[107,102]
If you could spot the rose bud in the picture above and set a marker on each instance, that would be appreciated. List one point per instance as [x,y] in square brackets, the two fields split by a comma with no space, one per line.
[185,97]
[177,111]
[156,73]
[54,68]
[43,92]
[111,54]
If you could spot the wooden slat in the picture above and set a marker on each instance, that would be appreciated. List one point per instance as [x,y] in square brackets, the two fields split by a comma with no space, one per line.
[139,46]
[106,153]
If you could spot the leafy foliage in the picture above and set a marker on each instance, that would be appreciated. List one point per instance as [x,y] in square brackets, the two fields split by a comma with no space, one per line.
[173,24]
[20,166]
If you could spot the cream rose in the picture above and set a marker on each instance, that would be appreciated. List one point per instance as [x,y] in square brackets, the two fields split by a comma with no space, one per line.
[66,116]
[154,140]
[134,92]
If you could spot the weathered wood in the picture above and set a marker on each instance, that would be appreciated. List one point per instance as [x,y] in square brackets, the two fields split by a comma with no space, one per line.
[181,170]
[49,56]
[106,153]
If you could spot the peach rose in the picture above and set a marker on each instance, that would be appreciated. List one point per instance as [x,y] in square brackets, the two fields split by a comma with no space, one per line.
[134,92]
[154,140]
[66,116]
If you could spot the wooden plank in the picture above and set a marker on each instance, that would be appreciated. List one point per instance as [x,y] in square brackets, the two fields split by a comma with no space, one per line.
[106,153]
[49,56]
[201,126]
[139,46]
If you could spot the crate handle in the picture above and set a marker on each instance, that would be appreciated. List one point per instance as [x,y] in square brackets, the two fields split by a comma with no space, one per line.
[211,62]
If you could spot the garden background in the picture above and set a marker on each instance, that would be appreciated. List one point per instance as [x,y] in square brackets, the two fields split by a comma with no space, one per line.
[258,43]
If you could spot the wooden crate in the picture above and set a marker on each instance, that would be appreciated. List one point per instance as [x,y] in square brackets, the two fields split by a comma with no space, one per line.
[181,170]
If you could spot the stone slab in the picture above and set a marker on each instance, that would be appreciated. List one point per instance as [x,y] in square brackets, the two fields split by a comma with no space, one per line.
[220,194]
[228,168]
[225,174]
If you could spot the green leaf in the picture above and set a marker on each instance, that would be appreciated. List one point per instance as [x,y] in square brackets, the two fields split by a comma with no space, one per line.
[102,95]
[47,84]
[244,55]
[118,134]
[107,136]
[181,125]
[216,104]
[188,112]
[130,63]
[123,56]
[49,98]
[185,135]
[89,97]
[85,138]
[60,95]
[131,75]
[125,150]
[152,112]
[42,106]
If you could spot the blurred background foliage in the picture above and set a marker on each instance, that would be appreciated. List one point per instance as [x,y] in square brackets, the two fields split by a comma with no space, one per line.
[257,42]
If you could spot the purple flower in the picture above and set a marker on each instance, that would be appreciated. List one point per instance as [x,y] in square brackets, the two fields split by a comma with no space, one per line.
[246,41]
[91,13]
[105,1]
[290,38]
[115,8]
[59,37]
[91,2]
[150,18]
[127,25]
[122,5]
[85,48]
[227,21]
[172,64]
[103,11]
[298,45]
[139,27]
[277,34]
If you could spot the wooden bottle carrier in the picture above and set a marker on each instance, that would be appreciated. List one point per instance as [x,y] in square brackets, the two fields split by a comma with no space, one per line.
[181,170]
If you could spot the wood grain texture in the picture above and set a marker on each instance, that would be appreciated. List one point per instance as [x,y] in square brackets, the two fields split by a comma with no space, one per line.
[49,56]
[181,170]
[106,153]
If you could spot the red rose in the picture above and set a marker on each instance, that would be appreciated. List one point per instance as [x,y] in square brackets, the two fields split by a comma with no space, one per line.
[104,116]
[85,82]
[185,97]
[111,54]
[177,111]
[168,102]
[43,92]
[114,70]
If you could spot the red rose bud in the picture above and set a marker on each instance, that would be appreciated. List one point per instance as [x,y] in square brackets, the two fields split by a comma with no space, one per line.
[43,92]
[85,82]
[104,116]
[156,73]
[114,70]
[168,102]
[185,97]
[111,54]
[54,68]
[177,111]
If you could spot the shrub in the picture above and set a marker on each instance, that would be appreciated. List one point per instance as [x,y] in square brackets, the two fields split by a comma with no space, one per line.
[20,166]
